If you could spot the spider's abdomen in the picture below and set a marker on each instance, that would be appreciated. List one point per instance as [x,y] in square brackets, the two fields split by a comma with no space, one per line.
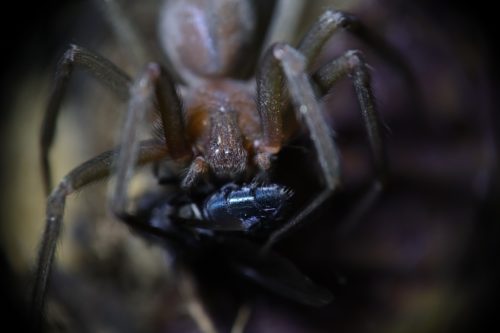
[207,38]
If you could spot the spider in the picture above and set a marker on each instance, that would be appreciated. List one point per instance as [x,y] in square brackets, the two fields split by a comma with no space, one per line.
[213,127]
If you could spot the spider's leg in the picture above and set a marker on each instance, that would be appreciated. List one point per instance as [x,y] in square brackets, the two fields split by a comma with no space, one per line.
[352,64]
[331,21]
[88,172]
[152,88]
[125,31]
[307,108]
[99,67]
[270,102]
[283,25]
[242,318]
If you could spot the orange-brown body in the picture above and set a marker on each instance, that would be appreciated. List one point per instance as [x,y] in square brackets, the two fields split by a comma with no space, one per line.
[205,40]
[223,124]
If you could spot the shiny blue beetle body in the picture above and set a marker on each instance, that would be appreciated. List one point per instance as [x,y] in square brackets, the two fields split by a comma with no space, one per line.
[246,207]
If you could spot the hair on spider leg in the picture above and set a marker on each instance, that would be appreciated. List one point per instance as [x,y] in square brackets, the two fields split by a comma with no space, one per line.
[215,139]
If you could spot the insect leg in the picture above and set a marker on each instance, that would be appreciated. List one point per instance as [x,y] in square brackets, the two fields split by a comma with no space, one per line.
[308,109]
[93,170]
[100,68]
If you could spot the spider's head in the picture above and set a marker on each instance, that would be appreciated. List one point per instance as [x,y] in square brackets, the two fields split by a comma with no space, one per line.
[225,154]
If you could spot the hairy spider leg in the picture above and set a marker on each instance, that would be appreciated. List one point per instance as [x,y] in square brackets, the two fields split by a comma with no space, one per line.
[353,65]
[283,26]
[99,67]
[93,170]
[271,100]
[270,105]
[168,104]
[125,31]
[307,108]
[152,88]
[331,21]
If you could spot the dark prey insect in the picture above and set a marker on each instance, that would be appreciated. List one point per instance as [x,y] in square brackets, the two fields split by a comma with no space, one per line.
[214,128]
[192,232]
[244,208]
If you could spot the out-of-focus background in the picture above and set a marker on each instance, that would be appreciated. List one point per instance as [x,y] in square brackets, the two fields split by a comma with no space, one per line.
[424,259]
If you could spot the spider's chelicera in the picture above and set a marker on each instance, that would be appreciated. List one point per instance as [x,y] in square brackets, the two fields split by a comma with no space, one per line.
[215,127]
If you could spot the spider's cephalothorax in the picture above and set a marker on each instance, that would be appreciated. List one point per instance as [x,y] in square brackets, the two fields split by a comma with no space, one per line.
[223,125]
[214,123]
[206,41]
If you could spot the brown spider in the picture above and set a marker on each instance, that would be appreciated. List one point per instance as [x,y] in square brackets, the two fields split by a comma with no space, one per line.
[214,126]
